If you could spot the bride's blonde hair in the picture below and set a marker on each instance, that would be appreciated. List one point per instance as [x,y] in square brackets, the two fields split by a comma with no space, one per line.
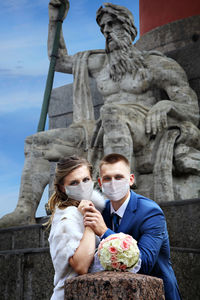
[63,168]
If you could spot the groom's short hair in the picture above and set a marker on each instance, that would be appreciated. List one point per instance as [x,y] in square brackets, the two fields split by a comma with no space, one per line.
[112,159]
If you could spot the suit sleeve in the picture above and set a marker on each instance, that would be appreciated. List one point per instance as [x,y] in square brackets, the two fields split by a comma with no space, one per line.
[107,233]
[153,232]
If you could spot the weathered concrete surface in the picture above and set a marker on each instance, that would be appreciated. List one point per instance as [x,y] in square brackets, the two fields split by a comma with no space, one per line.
[115,286]
[26,275]
[186,264]
[26,270]
[183,223]
[171,36]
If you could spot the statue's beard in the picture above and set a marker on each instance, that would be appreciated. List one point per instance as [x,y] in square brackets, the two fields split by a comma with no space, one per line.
[124,58]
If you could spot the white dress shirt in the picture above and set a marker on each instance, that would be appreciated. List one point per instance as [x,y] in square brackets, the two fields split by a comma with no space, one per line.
[121,209]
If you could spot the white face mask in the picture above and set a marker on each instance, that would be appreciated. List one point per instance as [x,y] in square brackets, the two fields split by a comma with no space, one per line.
[82,191]
[115,190]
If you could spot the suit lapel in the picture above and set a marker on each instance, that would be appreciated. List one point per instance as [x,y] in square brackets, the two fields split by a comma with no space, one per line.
[128,218]
[106,215]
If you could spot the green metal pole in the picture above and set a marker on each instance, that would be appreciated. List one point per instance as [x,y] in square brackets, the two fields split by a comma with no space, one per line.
[50,77]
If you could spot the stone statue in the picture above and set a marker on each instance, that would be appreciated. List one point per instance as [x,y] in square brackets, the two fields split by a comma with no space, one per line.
[150,115]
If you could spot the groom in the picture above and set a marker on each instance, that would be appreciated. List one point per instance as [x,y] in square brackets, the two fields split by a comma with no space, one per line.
[136,215]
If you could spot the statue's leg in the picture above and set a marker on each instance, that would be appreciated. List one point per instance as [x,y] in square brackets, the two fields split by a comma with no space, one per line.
[40,148]
[187,151]
[124,131]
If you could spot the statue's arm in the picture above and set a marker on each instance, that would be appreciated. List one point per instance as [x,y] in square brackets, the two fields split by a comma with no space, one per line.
[64,61]
[182,104]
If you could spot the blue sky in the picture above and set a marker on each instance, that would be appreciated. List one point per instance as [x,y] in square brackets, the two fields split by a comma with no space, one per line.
[23,71]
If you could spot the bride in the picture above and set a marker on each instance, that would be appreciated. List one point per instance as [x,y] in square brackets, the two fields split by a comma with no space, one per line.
[72,246]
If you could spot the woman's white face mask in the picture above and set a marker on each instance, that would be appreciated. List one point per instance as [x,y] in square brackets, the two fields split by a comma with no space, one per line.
[115,190]
[81,191]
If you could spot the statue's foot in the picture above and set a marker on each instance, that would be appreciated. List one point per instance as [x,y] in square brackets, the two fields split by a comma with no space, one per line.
[187,160]
[16,219]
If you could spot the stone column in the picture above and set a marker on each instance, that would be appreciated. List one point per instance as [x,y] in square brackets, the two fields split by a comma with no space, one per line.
[115,286]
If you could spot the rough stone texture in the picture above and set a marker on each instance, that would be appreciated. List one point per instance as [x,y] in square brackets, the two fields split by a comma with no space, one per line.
[183,219]
[171,36]
[186,264]
[183,223]
[21,237]
[26,270]
[115,286]
[26,275]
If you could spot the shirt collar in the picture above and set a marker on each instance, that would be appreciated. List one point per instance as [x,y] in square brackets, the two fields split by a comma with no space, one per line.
[121,210]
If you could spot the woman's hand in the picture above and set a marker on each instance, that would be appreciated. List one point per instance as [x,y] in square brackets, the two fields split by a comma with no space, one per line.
[84,204]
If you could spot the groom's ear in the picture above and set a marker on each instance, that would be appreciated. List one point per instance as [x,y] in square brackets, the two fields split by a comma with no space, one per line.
[99,181]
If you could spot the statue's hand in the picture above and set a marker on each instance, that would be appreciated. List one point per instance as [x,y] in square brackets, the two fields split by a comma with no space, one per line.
[54,6]
[157,117]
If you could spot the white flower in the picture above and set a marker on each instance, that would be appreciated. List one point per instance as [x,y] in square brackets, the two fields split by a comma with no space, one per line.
[118,252]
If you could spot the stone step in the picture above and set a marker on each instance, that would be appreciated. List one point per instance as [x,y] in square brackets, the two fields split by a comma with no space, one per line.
[21,237]
[26,274]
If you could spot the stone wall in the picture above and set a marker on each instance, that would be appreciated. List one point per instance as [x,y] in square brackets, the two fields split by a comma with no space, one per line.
[183,220]
[26,270]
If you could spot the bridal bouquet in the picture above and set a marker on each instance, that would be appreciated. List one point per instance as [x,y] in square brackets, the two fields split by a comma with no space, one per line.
[119,252]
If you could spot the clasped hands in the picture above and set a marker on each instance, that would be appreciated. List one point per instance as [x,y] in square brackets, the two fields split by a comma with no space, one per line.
[92,217]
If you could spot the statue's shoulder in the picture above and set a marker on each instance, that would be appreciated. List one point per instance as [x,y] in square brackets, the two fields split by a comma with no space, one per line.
[162,65]
[96,60]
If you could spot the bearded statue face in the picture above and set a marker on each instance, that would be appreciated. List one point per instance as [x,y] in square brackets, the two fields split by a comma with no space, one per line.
[114,33]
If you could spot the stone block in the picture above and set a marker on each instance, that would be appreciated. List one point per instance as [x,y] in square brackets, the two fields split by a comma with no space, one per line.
[114,285]
[21,237]
[171,36]
[5,239]
[26,275]
[183,223]
[186,265]
[189,59]
[38,276]
[186,187]
[11,283]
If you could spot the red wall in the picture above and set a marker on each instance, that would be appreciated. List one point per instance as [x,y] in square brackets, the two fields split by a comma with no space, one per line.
[154,13]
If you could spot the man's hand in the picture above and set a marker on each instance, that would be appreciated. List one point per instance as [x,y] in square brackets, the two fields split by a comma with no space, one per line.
[54,6]
[84,204]
[157,117]
[94,219]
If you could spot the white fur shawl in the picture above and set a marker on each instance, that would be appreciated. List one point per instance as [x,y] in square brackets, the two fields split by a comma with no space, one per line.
[65,235]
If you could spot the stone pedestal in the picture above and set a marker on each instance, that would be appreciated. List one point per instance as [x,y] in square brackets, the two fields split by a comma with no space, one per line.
[115,286]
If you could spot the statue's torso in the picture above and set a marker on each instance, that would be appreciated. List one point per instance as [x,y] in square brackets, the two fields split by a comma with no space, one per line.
[129,90]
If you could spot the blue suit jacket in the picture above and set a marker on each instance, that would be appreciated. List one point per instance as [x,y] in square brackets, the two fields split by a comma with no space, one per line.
[144,220]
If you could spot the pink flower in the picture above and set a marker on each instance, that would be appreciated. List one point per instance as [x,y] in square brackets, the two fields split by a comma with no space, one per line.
[112,249]
[123,267]
[129,239]
[111,238]
[113,258]
[125,245]
[115,265]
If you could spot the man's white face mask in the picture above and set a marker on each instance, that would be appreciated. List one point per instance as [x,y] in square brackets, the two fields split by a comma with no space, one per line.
[115,190]
[81,191]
